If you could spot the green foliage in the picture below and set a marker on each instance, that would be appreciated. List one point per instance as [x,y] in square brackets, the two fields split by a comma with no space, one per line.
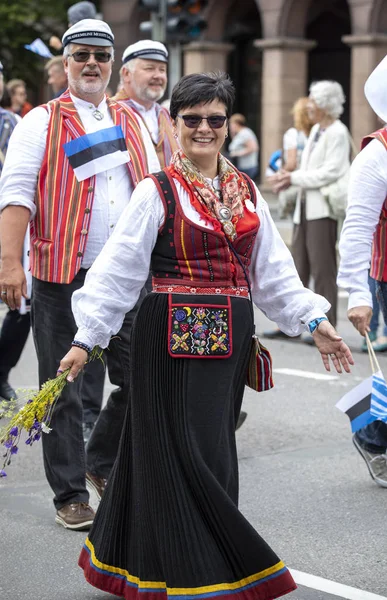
[21,21]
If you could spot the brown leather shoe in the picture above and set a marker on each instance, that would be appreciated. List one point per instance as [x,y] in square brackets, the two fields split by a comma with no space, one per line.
[77,516]
[98,484]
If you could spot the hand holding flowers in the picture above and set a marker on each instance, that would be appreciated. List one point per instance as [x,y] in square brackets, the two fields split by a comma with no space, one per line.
[35,416]
[73,363]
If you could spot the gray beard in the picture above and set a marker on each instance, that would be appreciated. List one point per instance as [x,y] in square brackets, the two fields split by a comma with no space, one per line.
[147,95]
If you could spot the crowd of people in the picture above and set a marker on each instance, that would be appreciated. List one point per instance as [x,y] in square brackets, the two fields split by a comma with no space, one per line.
[125,226]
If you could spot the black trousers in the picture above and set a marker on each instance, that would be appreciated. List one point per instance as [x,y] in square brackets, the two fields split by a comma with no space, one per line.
[13,337]
[92,390]
[54,328]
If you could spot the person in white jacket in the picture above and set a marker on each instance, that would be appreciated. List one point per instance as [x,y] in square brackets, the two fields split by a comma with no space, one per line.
[325,160]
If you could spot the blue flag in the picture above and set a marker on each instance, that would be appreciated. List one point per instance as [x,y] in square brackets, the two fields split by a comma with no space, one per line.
[39,47]
[356,404]
[379,397]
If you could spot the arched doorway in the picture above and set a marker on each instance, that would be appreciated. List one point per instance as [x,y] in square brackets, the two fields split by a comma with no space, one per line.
[243,26]
[327,23]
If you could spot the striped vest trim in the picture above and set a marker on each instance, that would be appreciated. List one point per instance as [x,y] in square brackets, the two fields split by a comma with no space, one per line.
[64,204]
[379,247]
[167,143]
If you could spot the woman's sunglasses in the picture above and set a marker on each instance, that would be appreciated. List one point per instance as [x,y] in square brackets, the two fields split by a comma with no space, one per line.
[82,56]
[193,121]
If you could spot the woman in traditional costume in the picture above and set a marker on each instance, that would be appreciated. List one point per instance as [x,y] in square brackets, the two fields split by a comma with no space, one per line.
[168,524]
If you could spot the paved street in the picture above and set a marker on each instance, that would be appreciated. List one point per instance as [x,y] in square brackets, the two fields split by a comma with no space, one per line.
[303,486]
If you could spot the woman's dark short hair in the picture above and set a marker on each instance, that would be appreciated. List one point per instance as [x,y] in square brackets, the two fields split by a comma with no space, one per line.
[202,88]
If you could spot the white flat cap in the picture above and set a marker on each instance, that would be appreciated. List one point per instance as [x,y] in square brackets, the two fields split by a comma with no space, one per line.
[147,49]
[91,32]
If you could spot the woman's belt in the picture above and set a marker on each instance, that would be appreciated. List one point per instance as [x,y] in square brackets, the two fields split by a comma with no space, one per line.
[173,288]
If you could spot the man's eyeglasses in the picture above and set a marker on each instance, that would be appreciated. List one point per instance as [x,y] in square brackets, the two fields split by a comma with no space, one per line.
[82,56]
[192,121]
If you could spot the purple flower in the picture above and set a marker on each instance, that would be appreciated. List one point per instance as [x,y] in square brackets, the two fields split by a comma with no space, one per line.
[36,437]
[3,473]
[14,450]
[36,425]
[29,401]
[14,431]
[28,441]
[8,443]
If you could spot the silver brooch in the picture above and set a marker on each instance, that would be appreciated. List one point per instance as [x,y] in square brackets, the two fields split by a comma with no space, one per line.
[97,114]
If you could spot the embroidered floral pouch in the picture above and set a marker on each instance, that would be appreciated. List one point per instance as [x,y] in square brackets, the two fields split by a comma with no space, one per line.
[199,330]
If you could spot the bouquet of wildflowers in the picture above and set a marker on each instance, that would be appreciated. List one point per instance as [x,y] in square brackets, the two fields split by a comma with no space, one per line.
[34,418]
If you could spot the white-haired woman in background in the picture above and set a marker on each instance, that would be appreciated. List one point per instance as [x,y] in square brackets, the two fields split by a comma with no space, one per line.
[325,160]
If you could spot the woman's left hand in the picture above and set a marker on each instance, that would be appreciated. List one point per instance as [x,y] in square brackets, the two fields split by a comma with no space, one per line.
[332,347]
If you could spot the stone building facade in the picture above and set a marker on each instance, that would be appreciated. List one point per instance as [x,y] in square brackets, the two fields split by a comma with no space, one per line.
[273,50]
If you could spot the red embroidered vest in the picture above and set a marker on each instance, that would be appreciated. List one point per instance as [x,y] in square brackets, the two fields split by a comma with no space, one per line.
[379,248]
[64,204]
[167,143]
[188,254]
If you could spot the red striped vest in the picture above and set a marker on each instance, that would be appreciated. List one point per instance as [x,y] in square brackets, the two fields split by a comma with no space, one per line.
[64,204]
[379,248]
[188,254]
[167,143]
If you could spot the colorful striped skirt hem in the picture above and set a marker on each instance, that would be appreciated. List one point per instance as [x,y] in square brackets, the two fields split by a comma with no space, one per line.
[268,584]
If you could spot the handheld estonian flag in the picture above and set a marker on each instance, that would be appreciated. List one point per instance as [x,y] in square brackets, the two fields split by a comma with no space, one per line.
[97,152]
[39,47]
[356,404]
[366,403]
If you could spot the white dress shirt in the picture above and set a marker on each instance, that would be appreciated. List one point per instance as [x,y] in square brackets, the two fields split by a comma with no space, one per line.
[150,117]
[113,187]
[366,195]
[116,278]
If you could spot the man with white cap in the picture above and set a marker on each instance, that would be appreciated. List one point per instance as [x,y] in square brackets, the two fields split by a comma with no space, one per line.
[363,247]
[70,169]
[144,80]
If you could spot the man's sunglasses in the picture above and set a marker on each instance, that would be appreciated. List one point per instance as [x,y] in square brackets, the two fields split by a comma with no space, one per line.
[193,121]
[82,56]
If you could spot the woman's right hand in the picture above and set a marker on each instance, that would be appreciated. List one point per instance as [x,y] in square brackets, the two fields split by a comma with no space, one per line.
[360,317]
[74,360]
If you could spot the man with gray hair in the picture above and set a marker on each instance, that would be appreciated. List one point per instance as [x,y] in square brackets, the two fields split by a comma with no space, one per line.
[144,80]
[57,77]
[71,168]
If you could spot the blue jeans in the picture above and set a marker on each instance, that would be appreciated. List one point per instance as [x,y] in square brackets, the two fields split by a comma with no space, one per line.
[373,438]
[374,324]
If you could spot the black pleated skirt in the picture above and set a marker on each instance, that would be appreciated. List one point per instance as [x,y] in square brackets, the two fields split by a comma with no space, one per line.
[168,524]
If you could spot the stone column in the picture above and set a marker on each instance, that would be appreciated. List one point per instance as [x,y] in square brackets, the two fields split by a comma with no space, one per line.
[366,52]
[204,56]
[284,79]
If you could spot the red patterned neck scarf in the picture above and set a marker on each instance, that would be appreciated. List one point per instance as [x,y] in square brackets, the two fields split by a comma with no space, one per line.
[229,207]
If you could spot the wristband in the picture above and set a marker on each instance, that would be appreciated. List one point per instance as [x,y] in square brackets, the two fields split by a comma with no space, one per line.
[313,325]
[81,345]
